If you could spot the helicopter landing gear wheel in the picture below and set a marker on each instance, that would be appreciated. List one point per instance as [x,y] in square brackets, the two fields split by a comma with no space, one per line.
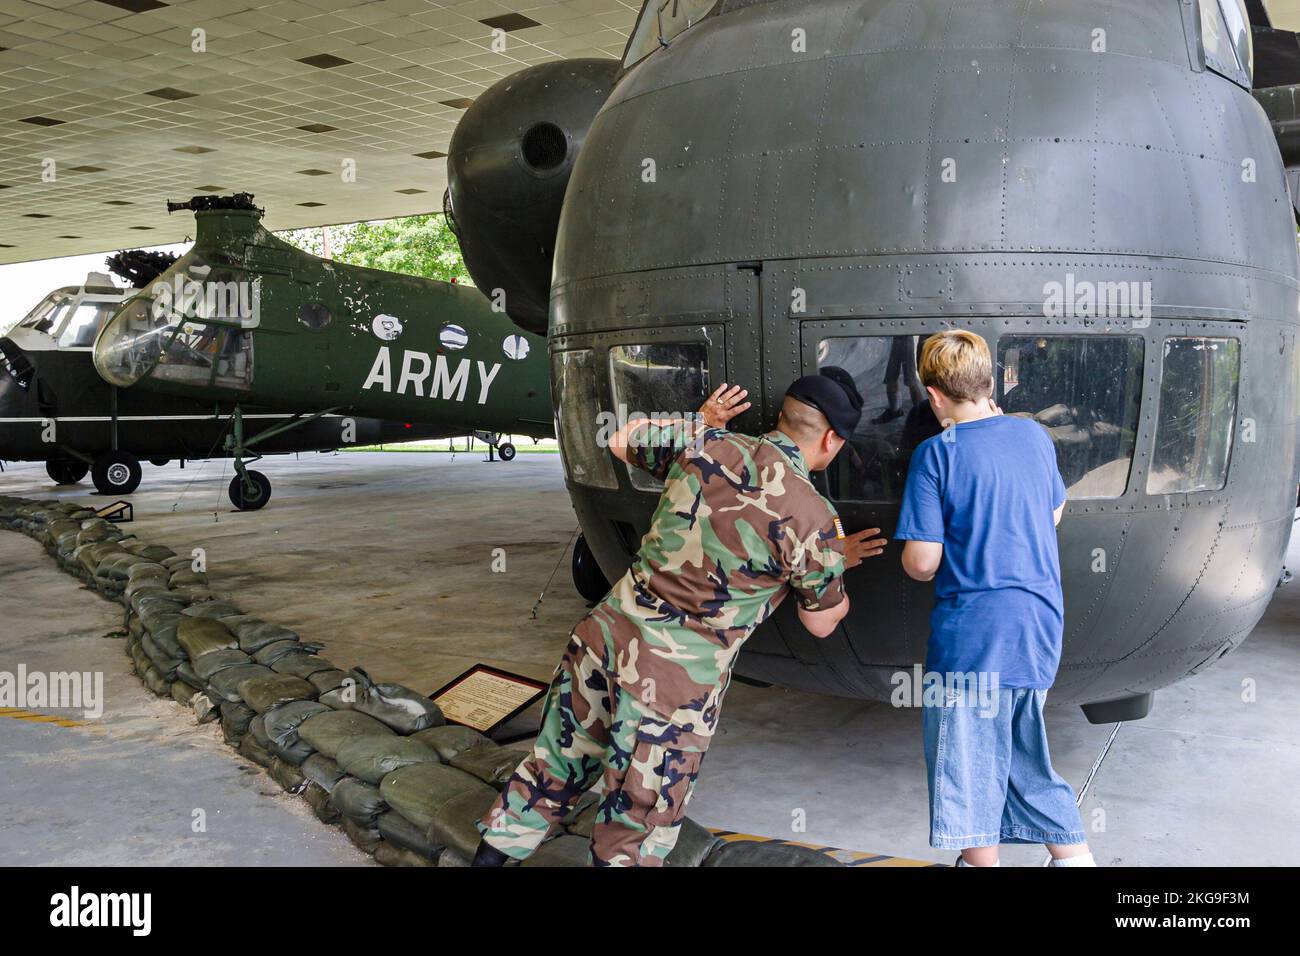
[506,451]
[250,491]
[588,578]
[66,471]
[116,473]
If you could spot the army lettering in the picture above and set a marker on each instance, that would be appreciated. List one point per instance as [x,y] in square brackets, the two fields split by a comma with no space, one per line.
[417,368]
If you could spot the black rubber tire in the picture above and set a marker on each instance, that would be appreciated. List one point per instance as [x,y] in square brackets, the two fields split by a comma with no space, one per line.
[66,471]
[116,473]
[506,451]
[160,462]
[588,578]
[242,500]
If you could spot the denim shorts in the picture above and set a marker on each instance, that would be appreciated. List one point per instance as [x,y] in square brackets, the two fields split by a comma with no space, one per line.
[990,774]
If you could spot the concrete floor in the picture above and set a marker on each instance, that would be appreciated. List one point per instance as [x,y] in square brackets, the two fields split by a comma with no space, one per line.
[386,559]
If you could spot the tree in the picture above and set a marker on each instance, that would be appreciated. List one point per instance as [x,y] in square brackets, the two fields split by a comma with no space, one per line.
[415,245]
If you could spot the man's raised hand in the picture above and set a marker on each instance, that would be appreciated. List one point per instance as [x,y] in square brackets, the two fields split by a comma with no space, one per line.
[861,545]
[724,405]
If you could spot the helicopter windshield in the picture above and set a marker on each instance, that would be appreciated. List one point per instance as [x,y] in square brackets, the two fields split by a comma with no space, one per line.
[190,327]
[659,22]
[49,312]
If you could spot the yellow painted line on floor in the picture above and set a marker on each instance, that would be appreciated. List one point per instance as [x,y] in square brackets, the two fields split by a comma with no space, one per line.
[847,857]
[14,713]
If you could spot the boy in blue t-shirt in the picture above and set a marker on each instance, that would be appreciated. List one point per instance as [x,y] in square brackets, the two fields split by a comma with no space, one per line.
[979,517]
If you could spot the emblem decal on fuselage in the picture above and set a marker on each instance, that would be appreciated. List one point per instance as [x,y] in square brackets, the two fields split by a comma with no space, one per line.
[386,327]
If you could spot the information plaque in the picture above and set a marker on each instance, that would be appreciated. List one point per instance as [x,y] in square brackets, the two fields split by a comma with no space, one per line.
[485,697]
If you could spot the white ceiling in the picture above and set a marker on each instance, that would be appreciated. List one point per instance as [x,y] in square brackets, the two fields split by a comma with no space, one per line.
[122,146]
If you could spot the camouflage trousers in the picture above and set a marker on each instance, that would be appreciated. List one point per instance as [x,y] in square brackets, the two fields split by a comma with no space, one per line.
[595,732]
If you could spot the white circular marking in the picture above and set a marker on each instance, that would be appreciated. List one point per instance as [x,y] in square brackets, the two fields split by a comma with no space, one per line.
[453,337]
[515,346]
[386,327]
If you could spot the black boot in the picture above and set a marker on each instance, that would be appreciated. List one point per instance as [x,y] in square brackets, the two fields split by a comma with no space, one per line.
[488,855]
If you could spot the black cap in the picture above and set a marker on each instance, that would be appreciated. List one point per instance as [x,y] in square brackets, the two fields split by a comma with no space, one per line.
[840,403]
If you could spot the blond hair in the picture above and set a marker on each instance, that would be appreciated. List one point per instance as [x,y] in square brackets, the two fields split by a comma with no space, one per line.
[957,363]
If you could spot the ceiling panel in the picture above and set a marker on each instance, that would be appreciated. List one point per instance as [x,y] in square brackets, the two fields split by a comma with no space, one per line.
[106,113]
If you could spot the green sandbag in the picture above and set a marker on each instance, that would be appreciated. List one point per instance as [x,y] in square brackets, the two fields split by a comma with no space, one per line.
[185,577]
[418,791]
[270,653]
[165,663]
[326,681]
[367,839]
[492,765]
[563,850]
[282,725]
[325,733]
[164,635]
[453,859]
[401,832]
[214,662]
[257,730]
[212,609]
[192,593]
[322,771]
[159,685]
[372,757]
[389,855]
[749,853]
[453,823]
[288,776]
[401,708]
[254,751]
[263,693]
[318,799]
[199,636]
[225,683]
[182,692]
[581,819]
[186,673]
[694,844]
[451,739]
[254,634]
[157,552]
[146,569]
[177,563]
[358,801]
[235,719]
[302,665]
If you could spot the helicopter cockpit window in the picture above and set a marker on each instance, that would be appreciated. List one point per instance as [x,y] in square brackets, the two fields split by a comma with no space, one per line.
[1226,38]
[189,327]
[1086,390]
[586,461]
[1198,411]
[663,380]
[50,313]
[85,322]
[659,22]
[896,415]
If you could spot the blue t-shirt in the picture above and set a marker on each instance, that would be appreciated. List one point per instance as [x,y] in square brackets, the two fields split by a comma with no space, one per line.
[986,490]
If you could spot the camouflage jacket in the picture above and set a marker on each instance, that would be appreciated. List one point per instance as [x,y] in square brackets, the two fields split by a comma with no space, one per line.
[737,526]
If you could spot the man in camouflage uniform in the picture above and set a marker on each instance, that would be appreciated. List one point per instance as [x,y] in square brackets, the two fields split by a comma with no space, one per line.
[636,697]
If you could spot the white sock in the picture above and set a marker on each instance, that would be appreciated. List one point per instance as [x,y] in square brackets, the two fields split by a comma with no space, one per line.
[1083,859]
[961,861]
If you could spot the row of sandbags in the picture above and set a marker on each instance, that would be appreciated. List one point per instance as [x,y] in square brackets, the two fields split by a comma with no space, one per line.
[375,758]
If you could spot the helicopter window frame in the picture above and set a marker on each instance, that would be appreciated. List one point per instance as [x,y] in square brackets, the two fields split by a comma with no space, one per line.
[568,391]
[649,35]
[639,479]
[1224,37]
[1126,432]
[1205,432]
